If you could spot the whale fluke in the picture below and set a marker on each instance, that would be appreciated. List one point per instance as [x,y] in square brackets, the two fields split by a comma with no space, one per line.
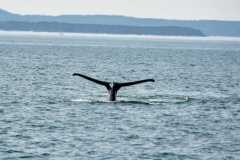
[106,84]
[112,90]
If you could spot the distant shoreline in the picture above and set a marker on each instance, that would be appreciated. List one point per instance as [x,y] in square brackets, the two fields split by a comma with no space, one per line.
[101,35]
[111,24]
[99,28]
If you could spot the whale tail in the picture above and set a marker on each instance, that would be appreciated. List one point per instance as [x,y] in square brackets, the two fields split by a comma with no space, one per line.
[104,83]
[115,86]
[135,82]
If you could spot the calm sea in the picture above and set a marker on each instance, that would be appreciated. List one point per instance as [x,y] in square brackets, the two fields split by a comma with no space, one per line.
[191,112]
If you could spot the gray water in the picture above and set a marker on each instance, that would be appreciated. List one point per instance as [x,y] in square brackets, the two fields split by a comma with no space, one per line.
[192,111]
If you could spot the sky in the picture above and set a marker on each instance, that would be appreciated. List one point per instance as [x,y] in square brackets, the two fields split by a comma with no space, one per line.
[168,9]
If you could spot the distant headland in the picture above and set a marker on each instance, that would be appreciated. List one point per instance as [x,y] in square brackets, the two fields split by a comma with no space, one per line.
[117,25]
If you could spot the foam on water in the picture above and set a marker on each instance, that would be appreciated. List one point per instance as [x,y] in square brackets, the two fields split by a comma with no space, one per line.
[149,100]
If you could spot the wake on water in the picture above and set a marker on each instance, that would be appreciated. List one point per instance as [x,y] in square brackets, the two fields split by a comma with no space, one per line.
[159,99]
[150,100]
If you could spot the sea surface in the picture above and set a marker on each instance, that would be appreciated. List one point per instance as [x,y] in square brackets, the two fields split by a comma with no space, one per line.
[191,112]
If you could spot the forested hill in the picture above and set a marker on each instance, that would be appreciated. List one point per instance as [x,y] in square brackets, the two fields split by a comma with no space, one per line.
[207,27]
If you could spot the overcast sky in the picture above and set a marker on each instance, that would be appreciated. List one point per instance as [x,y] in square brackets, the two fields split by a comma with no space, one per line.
[173,9]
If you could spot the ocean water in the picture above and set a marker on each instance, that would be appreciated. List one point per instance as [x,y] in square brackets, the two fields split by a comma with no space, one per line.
[191,112]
